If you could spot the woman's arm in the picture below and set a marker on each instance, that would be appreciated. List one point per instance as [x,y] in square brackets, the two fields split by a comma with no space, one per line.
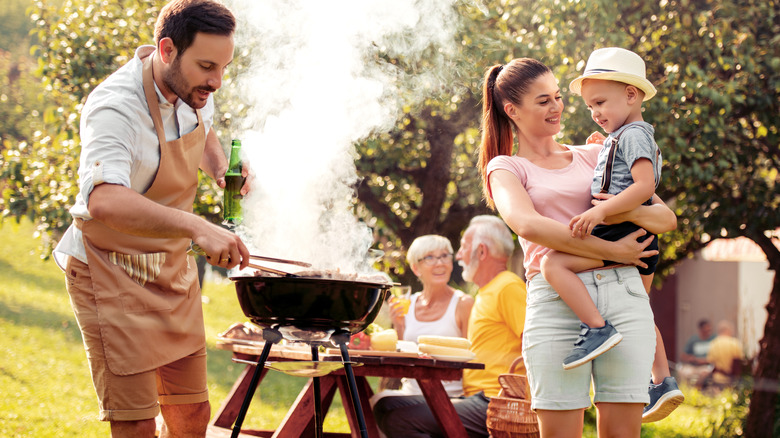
[519,213]
[657,218]
[397,316]
[462,313]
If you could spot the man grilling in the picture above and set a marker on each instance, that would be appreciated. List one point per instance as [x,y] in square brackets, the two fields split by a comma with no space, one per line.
[145,131]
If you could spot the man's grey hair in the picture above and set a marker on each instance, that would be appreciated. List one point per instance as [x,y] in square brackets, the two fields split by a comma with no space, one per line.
[493,232]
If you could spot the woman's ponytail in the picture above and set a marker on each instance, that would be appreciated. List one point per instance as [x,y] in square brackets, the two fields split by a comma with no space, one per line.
[502,85]
[496,128]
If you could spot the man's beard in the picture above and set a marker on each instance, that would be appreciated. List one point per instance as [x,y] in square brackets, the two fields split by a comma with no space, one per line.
[471,268]
[174,80]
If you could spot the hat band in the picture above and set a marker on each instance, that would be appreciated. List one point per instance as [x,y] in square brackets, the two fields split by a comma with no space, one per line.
[597,71]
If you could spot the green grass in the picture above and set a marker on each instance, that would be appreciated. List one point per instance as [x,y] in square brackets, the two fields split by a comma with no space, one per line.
[46,390]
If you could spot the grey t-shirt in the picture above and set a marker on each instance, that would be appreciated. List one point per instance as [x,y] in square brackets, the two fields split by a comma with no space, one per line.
[697,346]
[635,141]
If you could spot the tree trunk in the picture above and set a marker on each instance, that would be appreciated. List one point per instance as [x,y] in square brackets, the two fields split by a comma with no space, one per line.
[762,416]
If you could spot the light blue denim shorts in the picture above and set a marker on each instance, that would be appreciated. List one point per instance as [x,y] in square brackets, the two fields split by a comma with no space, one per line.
[621,375]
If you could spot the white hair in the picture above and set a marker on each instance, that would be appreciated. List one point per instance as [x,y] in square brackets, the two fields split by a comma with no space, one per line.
[493,233]
[424,245]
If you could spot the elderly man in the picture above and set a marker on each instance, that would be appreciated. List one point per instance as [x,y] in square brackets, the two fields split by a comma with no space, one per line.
[145,131]
[495,330]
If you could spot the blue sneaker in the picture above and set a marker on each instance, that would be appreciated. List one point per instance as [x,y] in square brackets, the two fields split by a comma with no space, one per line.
[664,398]
[592,343]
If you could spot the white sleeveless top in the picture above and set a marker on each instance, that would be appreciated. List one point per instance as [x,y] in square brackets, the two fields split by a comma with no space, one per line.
[444,326]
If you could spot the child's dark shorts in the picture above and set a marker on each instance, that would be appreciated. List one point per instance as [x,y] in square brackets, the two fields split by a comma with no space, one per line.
[618,231]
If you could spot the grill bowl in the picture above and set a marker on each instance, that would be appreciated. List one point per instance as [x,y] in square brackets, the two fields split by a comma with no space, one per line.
[309,309]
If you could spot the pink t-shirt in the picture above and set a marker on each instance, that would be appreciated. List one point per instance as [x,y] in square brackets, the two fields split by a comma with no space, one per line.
[558,194]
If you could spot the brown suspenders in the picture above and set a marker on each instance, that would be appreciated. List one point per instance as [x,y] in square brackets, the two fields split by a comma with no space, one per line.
[606,177]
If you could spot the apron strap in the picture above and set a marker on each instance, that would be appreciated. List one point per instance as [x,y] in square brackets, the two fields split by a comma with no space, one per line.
[152,100]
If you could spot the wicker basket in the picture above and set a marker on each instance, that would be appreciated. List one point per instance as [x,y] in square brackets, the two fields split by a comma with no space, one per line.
[514,385]
[509,416]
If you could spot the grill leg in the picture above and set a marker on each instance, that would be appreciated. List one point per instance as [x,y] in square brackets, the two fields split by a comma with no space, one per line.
[315,356]
[271,337]
[341,339]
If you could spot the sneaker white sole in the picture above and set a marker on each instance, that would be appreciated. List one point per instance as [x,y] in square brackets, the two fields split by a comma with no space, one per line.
[603,348]
[665,405]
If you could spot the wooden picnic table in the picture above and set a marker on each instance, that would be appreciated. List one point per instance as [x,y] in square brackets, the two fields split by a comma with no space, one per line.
[299,420]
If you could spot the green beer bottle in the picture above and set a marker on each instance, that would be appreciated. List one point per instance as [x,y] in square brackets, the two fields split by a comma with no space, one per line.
[234,181]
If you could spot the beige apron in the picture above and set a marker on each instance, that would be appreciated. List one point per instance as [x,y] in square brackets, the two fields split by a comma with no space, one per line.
[146,289]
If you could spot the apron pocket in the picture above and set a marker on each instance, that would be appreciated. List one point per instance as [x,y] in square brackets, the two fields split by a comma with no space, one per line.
[142,268]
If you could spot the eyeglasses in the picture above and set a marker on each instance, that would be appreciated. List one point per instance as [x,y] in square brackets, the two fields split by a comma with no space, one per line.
[431,260]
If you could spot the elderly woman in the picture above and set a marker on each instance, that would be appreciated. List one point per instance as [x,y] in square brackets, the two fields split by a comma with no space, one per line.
[436,310]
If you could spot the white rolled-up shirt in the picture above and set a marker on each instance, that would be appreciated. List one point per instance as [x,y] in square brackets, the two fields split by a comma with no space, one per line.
[117,131]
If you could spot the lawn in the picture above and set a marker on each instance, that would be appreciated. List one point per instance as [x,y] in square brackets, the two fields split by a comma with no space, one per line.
[47,390]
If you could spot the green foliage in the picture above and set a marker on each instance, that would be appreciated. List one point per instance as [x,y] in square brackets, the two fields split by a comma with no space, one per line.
[721,412]
[18,97]
[20,102]
[14,27]
[19,111]
[711,414]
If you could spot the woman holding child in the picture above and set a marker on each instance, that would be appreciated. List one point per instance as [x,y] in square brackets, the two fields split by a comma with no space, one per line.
[538,189]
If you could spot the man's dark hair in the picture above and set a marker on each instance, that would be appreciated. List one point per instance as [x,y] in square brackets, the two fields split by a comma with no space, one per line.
[180,20]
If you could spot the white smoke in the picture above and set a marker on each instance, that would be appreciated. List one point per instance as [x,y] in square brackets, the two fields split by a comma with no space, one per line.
[315,86]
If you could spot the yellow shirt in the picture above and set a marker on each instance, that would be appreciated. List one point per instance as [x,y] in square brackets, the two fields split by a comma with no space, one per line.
[723,351]
[496,332]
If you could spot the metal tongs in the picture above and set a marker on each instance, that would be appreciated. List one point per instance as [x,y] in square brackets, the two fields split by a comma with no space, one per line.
[275,260]
[195,249]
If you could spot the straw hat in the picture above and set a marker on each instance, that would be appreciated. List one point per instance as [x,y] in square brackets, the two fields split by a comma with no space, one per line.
[615,64]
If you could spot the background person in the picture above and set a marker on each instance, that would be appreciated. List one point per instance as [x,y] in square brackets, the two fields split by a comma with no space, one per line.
[698,345]
[145,131]
[537,190]
[436,310]
[495,332]
[723,351]
[695,366]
